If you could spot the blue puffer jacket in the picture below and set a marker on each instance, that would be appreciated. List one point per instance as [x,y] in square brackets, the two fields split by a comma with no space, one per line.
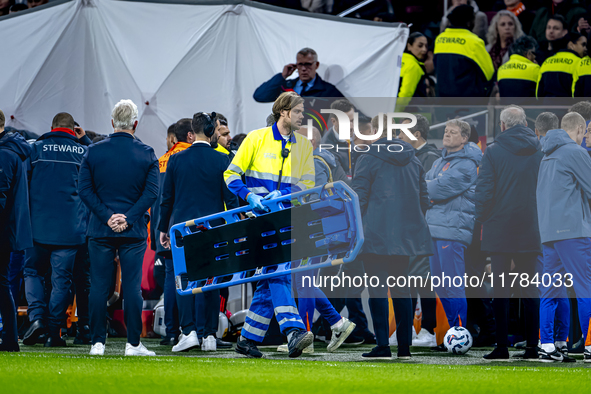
[564,189]
[452,183]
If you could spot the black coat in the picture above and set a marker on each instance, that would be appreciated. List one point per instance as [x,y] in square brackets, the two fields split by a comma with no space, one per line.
[427,155]
[58,215]
[119,175]
[15,222]
[506,192]
[393,198]
[270,90]
[194,186]
[342,154]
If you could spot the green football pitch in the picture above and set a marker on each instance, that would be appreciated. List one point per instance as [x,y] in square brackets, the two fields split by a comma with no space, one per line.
[72,370]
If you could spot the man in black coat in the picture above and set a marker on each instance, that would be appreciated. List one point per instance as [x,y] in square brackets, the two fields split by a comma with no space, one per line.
[15,224]
[118,182]
[58,218]
[194,187]
[308,83]
[506,207]
[393,197]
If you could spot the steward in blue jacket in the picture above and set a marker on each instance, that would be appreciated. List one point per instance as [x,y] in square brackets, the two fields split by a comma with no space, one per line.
[15,225]
[118,182]
[59,219]
[564,195]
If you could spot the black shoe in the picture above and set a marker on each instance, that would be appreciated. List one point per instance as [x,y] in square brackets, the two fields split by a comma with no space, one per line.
[168,341]
[9,347]
[354,340]
[35,330]
[498,354]
[587,356]
[248,349]
[439,348]
[83,336]
[403,353]
[55,341]
[369,340]
[222,344]
[378,353]
[42,338]
[531,353]
[565,357]
[521,345]
[579,347]
[298,342]
[550,357]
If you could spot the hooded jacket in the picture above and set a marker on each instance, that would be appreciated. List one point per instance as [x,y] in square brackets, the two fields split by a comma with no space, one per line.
[427,155]
[58,215]
[564,189]
[390,183]
[322,171]
[451,183]
[506,192]
[15,222]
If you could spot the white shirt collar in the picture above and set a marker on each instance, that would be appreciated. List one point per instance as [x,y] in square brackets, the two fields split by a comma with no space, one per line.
[421,147]
[201,142]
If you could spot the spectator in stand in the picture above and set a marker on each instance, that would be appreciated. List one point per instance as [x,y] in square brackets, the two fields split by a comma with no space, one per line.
[519,76]
[18,7]
[558,72]
[525,16]
[118,183]
[480,25]
[15,226]
[506,207]
[412,73]
[307,84]
[462,64]
[5,6]
[36,3]
[556,38]
[504,29]
[571,10]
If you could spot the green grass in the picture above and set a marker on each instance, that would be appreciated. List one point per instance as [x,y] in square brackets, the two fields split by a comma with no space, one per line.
[39,371]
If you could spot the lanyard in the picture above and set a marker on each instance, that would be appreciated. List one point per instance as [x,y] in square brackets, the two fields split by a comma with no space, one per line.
[284,153]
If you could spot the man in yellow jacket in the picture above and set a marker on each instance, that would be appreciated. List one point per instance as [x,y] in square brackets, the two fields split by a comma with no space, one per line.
[275,161]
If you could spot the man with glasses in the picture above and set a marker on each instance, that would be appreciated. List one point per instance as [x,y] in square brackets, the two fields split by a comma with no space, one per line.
[308,83]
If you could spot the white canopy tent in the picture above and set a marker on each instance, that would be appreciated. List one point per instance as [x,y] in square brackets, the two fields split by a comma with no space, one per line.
[177,58]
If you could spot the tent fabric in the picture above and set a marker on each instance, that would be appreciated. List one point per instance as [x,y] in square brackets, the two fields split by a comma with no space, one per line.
[177,58]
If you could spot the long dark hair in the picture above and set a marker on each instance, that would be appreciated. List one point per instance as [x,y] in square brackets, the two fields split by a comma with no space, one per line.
[412,38]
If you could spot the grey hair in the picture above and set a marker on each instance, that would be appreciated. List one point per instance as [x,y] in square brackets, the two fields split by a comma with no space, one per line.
[124,115]
[571,121]
[547,121]
[513,116]
[308,51]
[492,36]
[464,127]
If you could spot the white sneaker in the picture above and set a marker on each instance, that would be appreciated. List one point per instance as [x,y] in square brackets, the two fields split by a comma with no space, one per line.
[98,349]
[307,350]
[340,334]
[425,339]
[186,342]
[209,344]
[393,341]
[139,350]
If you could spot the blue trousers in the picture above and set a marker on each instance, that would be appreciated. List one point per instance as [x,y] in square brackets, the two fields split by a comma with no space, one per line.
[102,253]
[39,260]
[554,304]
[310,298]
[271,296]
[171,312]
[7,308]
[15,274]
[448,260]
[575,256]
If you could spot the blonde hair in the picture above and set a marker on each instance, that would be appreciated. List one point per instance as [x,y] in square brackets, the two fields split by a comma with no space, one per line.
[492,36]
[286,102]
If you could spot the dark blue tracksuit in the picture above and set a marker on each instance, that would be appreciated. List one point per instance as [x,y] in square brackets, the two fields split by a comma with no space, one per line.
[118,175]
[15,225]
[192,190]
[58,219]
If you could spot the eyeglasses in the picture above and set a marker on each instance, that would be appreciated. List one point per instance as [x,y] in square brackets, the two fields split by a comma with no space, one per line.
[307,65]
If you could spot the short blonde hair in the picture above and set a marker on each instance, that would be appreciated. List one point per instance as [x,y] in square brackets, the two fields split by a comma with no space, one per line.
[464,127]
[286,102]
[124,115]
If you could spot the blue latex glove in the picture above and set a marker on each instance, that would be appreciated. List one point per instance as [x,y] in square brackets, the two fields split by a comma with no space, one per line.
[272,195]
[256,202]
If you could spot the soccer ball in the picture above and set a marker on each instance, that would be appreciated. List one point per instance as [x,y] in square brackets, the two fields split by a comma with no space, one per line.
[457,340]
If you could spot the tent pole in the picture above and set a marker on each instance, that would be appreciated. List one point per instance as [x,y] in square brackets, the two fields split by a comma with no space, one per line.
[355,8]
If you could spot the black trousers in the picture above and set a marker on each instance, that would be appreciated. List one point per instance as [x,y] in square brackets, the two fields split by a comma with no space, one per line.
[382,267]
[419,266]
[524,263]
[102,252]
[82,285]
[7,308]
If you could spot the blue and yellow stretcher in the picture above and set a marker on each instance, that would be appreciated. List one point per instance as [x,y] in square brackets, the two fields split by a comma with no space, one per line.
[243,245]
